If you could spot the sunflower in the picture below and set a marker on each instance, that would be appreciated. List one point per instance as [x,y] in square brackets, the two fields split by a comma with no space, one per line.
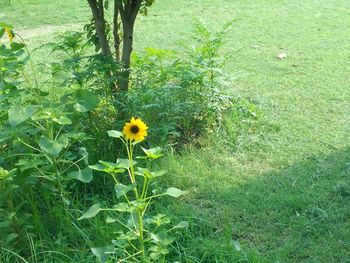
[136,130]
[9,34]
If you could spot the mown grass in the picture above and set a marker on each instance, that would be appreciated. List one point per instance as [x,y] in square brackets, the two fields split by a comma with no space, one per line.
[284,192]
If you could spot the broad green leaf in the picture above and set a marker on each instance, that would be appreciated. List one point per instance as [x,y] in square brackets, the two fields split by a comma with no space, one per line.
[5,25]
[63,120]
[138,204]
[123,207]
[91,212]
[108,164]
[84,175]
[102,253]
[18,114]
[128,236]
[53,147]
[98,167]
[86,100]
[61,75]
[26,164]
[125,163]
[148,174]
[115,134]
[158,251]
[17,46]
[153,153]
[107,167]
[160,219]
[182,224]
[162,238]
[121,189]
[175,192]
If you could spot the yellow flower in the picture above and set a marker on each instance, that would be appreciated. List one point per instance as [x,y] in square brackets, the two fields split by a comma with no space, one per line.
[9,34]
[136,130]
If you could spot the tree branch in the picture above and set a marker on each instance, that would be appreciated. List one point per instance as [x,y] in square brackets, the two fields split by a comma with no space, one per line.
[120,7]
[135,8]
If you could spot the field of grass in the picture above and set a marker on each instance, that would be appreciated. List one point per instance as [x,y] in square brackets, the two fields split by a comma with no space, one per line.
[283,192]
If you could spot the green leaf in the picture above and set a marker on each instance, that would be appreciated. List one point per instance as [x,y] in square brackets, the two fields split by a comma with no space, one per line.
[5,25]
[182,224]
[61,75]
[18,114]
[108,164]
[17,46]
[153,153]
[162,238]
[2,31]
[63,120]
[97,167]
[175,192]
[158,252]
[102,253]
[84,175]
[91,212]
[107,167]
[148,174]
[115,134]
[125,163]
[123,207]
[121,189]
[86,100]
[160,219]
[53,147]
[26,164]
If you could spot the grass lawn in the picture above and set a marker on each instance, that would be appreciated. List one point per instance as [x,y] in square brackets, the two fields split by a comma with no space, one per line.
[284,193]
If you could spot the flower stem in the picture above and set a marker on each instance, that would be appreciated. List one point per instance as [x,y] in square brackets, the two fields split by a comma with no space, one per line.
[140,226]
[139,212]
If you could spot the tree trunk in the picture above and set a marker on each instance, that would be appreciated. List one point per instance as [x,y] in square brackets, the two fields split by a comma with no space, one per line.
[128,34]
[128,15]
[98,15]
[116,27]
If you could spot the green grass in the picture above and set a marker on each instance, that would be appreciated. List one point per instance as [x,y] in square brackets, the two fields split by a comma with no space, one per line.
[284,193]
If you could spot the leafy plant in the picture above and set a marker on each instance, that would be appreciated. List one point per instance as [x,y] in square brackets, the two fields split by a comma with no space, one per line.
[40,140]
[140,236]
[188,91]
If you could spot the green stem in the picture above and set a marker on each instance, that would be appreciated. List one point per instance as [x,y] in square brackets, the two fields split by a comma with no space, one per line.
[129,150]
[139,212]
[140,226]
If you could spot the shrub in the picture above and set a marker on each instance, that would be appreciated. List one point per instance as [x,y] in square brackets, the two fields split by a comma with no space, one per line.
[40,139]
[187,92]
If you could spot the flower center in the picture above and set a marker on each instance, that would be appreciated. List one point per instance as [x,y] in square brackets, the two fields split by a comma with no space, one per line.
[134,129]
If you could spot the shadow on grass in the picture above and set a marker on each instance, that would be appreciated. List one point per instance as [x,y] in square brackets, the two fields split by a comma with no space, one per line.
[300,214]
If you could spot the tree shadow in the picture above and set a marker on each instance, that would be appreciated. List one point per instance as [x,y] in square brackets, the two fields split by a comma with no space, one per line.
[299,214]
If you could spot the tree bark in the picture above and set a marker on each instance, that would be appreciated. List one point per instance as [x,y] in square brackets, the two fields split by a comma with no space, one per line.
[126,56]
[116,27]
[100,26]
[128,15]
